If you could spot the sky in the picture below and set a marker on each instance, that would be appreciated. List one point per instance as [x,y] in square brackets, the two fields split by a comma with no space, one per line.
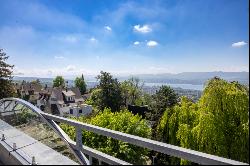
[63,37]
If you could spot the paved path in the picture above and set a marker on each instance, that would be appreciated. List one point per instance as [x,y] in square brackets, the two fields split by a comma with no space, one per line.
[27,147]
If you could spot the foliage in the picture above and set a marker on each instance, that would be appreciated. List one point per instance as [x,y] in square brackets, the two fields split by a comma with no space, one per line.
[6,86]
[164,98]
[110,94]
[94,98]
[80,83]
[218,124]
[132,91]
[24,117]
[58,82]
[147,99]
[223,125]
[123,121]
[37,81]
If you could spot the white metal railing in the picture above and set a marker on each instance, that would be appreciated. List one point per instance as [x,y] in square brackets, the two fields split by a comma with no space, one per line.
[79,150]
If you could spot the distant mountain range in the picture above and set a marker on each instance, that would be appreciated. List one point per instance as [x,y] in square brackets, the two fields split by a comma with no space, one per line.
[196,78]
[193,77]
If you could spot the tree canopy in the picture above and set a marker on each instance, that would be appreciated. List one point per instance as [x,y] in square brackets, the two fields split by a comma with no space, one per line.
[122,121]
[218,124]
[132,91]
[58,82]
[6,87]
[80,83]
[164,98]
[110,94]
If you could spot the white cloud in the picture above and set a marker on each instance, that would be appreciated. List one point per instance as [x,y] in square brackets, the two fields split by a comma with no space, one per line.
[94,40]
[136,43]
[142,29]
[70,68]
[108,28]
[59,57]
[152,43]
[239,44]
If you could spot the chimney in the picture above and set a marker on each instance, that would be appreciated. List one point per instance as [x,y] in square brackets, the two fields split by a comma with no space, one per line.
[66,86]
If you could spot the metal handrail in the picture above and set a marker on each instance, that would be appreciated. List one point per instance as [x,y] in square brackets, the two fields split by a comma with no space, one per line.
[191,155]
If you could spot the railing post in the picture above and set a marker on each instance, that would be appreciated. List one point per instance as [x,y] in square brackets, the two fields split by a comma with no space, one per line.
[78,138]
[90,160]
[14,146]
[3,137]
[153,160]
[33,162]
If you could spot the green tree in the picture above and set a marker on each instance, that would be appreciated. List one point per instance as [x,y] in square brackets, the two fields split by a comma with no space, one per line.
[80,83]
[110,92]
[132,91]
[94,98]
[217,124]
[6,86]
[58,82]
[37,81]
[223,121]
[182,114]
[164,98]
[123,121]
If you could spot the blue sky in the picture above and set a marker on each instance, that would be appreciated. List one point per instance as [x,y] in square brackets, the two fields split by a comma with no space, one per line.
[63,37]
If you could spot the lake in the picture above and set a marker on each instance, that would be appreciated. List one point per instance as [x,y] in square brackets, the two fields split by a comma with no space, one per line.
[92,84]
[183,86]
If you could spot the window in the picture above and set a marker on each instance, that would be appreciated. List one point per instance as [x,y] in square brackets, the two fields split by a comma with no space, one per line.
[71,111]
[80,111]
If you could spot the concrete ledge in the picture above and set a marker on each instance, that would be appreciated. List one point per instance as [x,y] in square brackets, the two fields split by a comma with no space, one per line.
[27,147]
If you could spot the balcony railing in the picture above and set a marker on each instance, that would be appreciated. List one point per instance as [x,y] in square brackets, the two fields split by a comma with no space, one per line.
[80,150]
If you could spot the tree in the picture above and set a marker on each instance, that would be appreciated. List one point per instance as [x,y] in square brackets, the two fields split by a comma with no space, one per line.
[94,98]
[80,83]
[222,127]
[217,124]
[110,92]
[58,82]
[169,125]
[164,98]
[6,86]
[37,81]
[123,121]
[132,91]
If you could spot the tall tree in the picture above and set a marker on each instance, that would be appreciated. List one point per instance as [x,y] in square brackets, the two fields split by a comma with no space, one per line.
[164,98]
[132,91]
[59,82]
[110,92]
[80,83]
[217,124]
[6,86]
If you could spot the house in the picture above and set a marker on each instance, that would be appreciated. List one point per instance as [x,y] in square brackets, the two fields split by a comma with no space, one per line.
[29,91]
[44,96]
[68,102]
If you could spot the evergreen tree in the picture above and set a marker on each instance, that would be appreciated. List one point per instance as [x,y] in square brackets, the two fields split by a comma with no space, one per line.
[80,83]
[110,92]
[6,86]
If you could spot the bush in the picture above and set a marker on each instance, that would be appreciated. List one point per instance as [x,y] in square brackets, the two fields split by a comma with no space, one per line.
[123,121]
